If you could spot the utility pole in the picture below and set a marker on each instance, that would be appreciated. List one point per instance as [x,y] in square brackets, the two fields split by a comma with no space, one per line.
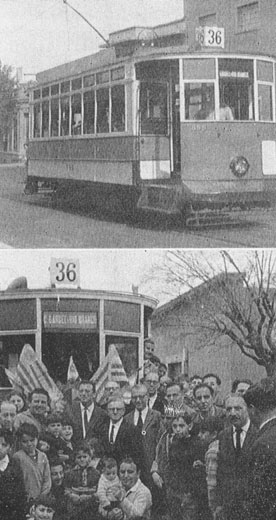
[87,21]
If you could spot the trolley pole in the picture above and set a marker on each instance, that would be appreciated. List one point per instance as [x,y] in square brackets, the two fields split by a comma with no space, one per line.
[87,21]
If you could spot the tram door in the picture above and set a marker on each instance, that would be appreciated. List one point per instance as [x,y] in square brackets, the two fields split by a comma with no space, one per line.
[58,347]
[159,121]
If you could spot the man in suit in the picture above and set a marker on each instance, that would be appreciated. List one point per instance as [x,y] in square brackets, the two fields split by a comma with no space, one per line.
[119,438]
[155,401]
[235,444]
[261,401]
[204,399]
[87,416]
[149,424]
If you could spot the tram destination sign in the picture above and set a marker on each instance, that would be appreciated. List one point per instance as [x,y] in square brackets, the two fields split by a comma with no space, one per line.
[70,320]
[65,272]
[210,36]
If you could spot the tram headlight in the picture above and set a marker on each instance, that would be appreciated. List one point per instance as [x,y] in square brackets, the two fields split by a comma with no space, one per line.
[239,166]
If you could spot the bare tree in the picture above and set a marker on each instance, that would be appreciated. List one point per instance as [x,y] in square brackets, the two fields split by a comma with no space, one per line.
[244,285]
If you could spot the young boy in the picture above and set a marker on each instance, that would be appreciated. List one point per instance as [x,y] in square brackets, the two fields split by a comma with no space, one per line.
[66,450]
[108,479]
[12,491]
[53,429]
[81,483]
[43,508]
[34,463]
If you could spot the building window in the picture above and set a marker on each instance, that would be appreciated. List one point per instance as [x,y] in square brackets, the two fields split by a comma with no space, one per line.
[209,20]
[248,17]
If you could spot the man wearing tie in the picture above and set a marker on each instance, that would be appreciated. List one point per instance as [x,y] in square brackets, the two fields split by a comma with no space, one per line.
[118,437]
[235,444]
[88,417]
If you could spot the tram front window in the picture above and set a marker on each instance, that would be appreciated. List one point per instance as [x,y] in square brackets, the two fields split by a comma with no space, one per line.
[199,100]
[236,84]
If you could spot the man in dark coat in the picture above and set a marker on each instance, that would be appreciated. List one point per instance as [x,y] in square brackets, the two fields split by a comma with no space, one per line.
[156,401]
[261,401]
[235,444]
[119,438]
[87,416]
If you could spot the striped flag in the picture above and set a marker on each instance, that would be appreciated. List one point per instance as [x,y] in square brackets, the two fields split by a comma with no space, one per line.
[32,373]
[111,369]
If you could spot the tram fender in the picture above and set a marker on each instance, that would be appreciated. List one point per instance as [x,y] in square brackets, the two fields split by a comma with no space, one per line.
[169,199]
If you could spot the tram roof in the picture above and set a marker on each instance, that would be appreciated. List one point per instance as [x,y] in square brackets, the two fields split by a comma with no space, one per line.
[48,293]
[107,58]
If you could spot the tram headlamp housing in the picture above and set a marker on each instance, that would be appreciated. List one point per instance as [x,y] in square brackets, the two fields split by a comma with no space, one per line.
[239,166]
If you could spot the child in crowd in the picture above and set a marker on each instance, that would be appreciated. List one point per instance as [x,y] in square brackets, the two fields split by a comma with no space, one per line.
[108,479]
[66,449]
[209,431]
[43,508]
[97,453]
[12,491]
[172,470]
[81,483]
[33,462]
[44,443]
[54,428]
[19,400]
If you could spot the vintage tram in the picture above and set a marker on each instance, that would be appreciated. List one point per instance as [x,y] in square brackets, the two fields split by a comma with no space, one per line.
[63,322]
[150,124]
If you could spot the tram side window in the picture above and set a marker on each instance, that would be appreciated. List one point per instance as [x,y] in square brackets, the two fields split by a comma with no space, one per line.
[154,108]
[199,101]
[76,114]
[102,110]
[37,114]
[54,117]
[45,119]
[64,106]
[89,112]
[118,108]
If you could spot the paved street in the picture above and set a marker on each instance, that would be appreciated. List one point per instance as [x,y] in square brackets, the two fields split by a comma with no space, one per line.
[34,221]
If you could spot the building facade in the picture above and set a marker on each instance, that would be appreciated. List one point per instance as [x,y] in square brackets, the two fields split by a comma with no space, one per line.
[249,24]
[181,332]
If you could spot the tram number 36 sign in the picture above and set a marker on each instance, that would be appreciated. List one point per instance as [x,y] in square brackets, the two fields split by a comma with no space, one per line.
[65,271]
[210,36]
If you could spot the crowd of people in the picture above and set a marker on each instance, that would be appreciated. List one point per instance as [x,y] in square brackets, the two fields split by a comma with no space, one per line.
[162,449]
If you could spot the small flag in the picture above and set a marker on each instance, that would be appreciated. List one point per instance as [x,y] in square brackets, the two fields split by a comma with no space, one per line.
[111,369]
[72,373]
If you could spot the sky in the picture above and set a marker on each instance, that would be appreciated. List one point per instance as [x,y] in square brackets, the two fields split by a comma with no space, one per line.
[40,34]
[100,269]
[104,269]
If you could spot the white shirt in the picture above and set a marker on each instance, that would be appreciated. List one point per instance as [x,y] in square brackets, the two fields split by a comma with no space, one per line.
[89,413]
[143,415]
[4,463]
[152,400]
[244,431]
[116,429]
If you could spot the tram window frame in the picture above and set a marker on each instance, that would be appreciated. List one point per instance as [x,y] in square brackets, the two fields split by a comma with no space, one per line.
[206,100]
[103,110]
[267,105]
[76,114]
[154,116]
[64,119]
[55,121]
[37,120]
[90,112]
[45,119]
[240,73]
[118,108]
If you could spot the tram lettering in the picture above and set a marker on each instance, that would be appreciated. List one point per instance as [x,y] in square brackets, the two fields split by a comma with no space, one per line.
[69,167]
